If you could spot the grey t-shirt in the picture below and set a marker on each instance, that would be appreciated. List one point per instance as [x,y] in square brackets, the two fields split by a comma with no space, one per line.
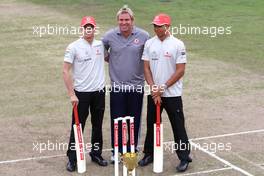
[125,64]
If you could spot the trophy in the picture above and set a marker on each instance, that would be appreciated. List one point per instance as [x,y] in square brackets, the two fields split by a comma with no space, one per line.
[130,161]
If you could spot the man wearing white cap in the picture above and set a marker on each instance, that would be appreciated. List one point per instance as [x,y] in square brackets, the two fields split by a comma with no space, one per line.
[164,64]
[86,88]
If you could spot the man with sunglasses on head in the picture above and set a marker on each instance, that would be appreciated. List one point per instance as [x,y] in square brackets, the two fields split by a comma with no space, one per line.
[164,65]
[125,44]
[85,58]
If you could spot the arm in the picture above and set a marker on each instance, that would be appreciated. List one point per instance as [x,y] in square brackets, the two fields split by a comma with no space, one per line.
[180,65]
[148,74]
[149,79]
[178,74]
[106,47]
[107,59]
[69,82]
[106,55]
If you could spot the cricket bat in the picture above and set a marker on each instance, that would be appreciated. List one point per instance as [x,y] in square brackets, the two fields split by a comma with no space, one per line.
[79,144]
[158,143]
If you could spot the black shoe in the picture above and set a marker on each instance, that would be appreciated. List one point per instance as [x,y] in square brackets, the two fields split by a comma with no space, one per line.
[98,159]
[147,159]
[183,165]
[71,166]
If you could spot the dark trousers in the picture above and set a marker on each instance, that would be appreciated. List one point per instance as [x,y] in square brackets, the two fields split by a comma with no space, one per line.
[125,104]
[174,109]
[95,101]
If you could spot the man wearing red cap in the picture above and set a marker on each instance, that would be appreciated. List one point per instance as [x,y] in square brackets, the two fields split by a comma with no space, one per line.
[85,57]
[164,64]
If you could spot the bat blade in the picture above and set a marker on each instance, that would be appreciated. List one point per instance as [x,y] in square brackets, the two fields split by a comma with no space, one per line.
[79,146]
[158,148]
[158,143]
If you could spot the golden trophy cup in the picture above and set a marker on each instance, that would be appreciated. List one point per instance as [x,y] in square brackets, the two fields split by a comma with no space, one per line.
[130,161]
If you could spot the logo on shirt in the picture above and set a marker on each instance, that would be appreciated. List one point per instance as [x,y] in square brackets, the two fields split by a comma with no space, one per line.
[83,58]
[136,41]
[167,55]
[98,52]
[183,52]
[154,56]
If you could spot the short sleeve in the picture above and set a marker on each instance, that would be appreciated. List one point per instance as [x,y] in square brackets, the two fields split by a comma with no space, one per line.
[181,54]
[145,55]
[147,36]
[69,54]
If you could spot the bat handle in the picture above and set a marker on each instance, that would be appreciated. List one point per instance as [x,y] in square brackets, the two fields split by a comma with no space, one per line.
[75,113]
[158,114]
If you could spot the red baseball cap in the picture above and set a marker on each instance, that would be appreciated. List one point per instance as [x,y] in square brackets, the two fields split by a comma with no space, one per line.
[161,19]
[88,20]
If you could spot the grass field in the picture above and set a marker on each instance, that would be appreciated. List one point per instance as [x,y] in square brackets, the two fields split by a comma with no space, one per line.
[223,85]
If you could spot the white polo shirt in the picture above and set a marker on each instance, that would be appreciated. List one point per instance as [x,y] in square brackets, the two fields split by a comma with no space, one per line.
[163,57]
[87,64]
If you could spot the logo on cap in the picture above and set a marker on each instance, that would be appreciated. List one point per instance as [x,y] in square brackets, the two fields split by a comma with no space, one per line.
[88,20]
